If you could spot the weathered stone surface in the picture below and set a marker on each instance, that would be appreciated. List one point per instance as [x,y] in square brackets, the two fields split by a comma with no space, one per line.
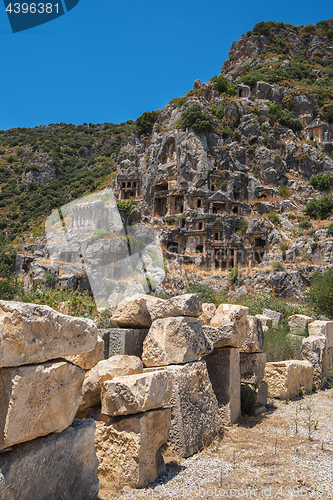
[106,370]
[322,329]
[224,374]
[314,349]
[37,400]
[262,393]
[175,340]
[298,324]
[230,313]
[62,466]
[285,379]
[208,312]
[128,448]
[252,367]
[134,312]
[136,393]
[31,333]
[275,316]
[128,341]
[255,339]
[266,321]
[228,334]
[89,359]
[195,419]
[189,304]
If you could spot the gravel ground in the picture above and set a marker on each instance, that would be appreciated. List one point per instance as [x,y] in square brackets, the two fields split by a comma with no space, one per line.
[286,453]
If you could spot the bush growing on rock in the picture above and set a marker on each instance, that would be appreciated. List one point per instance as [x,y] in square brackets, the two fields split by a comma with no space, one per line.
[223,85]
[320,208]
[195,118]
[320,294]
[144,124]
[321,181]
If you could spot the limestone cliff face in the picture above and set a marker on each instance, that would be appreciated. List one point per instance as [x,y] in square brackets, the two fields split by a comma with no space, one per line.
[254,44]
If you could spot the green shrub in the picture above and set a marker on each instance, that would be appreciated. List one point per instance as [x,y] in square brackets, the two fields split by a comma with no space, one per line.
[287,119]
[277,346]
[99,234]
[284,190]
[243,226]
[195,118]
[305,224]
[330,229]
[321,181]
[126,206]
[145,123]
[223,85]
[320,293]
[178,102]
[274,218]
[328,113]
[322,208]
[233,274]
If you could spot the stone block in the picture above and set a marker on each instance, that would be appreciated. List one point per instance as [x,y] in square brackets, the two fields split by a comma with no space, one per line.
[189,304]
[298,324]
[224,374]
[37,400]
[175,340]
[133,312]
[266,321]
[208,312]
[255,338]
[252,367]
[314,349]
[322,329]
[106,370]
[262,393]
[195,419]
[275,316]
[230,313]
[128,448]
[285,379]
[136,393]
[58,466]
[31,333]
[229,334]
[127,341]
[88,360]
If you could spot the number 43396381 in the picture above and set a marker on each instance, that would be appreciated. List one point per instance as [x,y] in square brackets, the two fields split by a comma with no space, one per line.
[33,8]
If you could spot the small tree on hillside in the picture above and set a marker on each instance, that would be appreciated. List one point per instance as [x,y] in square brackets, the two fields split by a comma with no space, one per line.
[320,294]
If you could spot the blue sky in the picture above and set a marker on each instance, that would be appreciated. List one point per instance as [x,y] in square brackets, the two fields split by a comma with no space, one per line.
[108,61]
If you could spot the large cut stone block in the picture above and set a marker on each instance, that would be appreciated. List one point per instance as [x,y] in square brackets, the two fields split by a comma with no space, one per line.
[128,341]
[175,340]
[134,312]
[322,329]
[298,324]
[224,374]
[189,304]
[275,316]
[31,333]
[314,349]
[285,379]
[136,393]
[230,313]
[58,466]
[266,321]
[37,400]
[252,367]
[208,312]
[107,369]
[128,448]
[195,419]
[89,359]
[255,339]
